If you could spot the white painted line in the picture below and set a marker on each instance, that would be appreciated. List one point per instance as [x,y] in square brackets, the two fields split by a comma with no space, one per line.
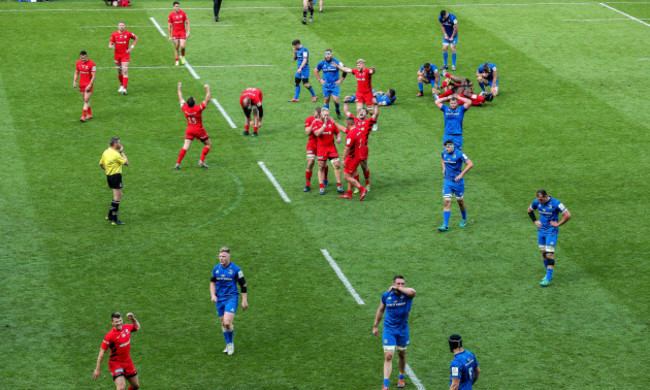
[598,20]
[194,25]
[157,26]
[189,67]
[624,14]
[274,182]
[414,378]
[644,59]
[195,66]
[223,112]
[341,276]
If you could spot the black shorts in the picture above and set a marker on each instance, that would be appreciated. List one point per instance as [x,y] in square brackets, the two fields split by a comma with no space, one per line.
[247,112]
[114,181]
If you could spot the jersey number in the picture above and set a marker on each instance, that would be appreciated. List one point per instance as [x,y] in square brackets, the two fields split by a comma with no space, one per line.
[191,120]
[471,373]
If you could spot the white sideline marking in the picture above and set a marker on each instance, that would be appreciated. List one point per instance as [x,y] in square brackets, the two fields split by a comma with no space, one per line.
[624,14]
[157,26]
[601,20]
[341,276]
[644,59]
[189,67]
[194,25]
[274,182]
[223,112]
[414,378]
[195,66]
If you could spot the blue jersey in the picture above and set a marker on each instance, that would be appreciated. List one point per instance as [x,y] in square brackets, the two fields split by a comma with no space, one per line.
[302,54]
[548,212]
[385,100]
[225,279]
[398,307]
[449,24]
[453,119]
[330,72]
[463,367]
[431,73]
[453,163]
[492,66]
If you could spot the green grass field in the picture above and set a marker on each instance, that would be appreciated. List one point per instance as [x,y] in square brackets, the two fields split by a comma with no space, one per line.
[572,117]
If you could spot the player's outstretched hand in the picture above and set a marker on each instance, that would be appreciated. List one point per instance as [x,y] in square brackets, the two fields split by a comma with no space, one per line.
[96,374]
[206,86]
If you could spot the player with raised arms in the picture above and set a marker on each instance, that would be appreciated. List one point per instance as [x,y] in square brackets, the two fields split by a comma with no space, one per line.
[118,340]
[364,82]
[195,129]
[326,134]
[122,57]
[178,28]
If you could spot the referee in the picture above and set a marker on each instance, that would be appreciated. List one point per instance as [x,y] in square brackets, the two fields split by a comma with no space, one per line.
[111,162]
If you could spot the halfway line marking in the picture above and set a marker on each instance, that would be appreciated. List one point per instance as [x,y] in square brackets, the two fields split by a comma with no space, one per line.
[600,20]
[194,25]
[189,67]
[157,26]
[274,182]
[341,276]
[624,14]
[414,378]
[223,112]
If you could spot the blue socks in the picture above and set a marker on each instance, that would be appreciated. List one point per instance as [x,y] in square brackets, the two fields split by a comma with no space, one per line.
[229,336]
[326,106]
[453,59]
[444,57]
[420,86]
[385,382]
[463,213]
[402,376]
[447,214]
[482,86]
[549,274]
[311,89]
[297,92]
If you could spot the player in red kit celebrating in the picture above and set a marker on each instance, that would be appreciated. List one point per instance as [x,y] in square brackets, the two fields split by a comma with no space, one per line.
[351,157]
[120,43]
[118,340]
[194,126]
[312,123]
[251,101]
[178,27]
[364,82]
[366,125]
[85,72]
[326,149]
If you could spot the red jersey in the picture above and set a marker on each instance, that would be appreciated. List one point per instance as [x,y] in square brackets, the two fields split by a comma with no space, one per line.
[119,342]
[326,138]
[85,71]
[354,141]
[365,126]
[178,21]
[193,115]
[254,94]
[121,41]
[308,123]
[364,80]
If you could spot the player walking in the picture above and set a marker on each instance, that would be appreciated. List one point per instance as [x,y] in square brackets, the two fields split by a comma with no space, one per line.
[548,229]
[111,162]
[364,82]
[178,28]
[307,5]
[85,71]
[301,54]
[251,102]
[118,340]
[120,43]
[454,183]
[223,289]
[330,81]
[396,302]
[195,128]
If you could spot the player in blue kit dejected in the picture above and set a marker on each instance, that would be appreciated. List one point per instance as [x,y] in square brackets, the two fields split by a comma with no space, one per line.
[224,292]
[454,115]
[449,26]
[301,54]
[464,370]
[428,74]
[548,229]
[487,75]
[454,182]
[396,302]
[330,81]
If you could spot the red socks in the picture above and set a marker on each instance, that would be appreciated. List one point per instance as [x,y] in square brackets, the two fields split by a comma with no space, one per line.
[125,82]
[181,155]
[308,176]
[366,174]
[204,153]
[89,112]
[121,78]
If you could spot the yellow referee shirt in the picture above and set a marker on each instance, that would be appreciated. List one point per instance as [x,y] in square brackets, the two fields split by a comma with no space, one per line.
[113,161]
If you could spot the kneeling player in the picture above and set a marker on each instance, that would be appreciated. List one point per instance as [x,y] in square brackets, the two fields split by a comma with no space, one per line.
[487,75]
[251,101]
[428,74]
[327,150]
[454,183]
[351,158]
[194,126]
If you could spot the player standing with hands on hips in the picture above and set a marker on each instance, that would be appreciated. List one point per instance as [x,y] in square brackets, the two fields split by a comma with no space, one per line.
[223,289]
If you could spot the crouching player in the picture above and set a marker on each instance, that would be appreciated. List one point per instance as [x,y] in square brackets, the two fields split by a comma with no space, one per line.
[428,74]
[251,102]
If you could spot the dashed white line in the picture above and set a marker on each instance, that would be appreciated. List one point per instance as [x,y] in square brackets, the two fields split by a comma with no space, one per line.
[157,26]
[223,112]
[341,276]
[624,14]
[274,182]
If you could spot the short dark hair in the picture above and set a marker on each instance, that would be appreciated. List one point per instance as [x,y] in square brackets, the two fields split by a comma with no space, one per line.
[114,141]
[455,341]
[453,98]
[443,13]
[542,192]
[398,277]
[486,68]
[427,65]
[349,120]
[116,314]
[176,3]
[191,102]
[447,142]
[326,50]
[296,42]
[318,109]
[83,53]
[391,92]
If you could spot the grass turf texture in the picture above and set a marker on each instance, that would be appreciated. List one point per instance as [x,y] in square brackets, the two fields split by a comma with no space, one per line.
[571,118]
